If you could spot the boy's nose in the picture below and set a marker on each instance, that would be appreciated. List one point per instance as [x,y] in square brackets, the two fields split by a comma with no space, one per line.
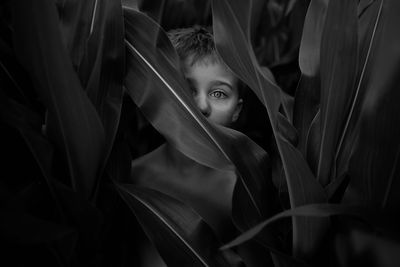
[203,105]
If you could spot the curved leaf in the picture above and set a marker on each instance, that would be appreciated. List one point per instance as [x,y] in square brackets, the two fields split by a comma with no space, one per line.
[76,24]
[338,77]
[310,46]
[368,32]
[28,124]
[374,164]
[181,236]
[22,228]
[231,22]
[73,122]
[306,106]
[311,210]
[103,65]
[156,85]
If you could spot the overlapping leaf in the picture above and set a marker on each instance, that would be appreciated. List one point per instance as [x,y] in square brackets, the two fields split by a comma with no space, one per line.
[338,77]
[311,210]
[103,66]
[156,85]
[374,165]
[93,31]
[231,22]
[368,32]
[181,236]
[73,123]
[310,47]
[76,25]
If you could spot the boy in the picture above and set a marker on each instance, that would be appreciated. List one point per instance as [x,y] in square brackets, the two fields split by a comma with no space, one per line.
[216,94]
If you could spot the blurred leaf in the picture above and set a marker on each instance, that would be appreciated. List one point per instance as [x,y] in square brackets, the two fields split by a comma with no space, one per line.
[180,235]
[311,210]
[23,228]
[362,248]
[313,142]
[103,66]
[28,124]
[363,5]
[305,107]
[83,216]
[156,85]
[374,164]
[73,122]
[338,77]
[231,22]
[153,9]
[76,25]
[310,46]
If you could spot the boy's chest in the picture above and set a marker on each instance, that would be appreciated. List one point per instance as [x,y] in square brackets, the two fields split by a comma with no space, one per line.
[209,193]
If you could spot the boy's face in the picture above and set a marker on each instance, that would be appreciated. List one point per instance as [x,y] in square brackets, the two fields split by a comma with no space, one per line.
[215,90]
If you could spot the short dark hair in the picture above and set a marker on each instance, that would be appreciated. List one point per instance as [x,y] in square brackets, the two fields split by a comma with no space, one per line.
[196,42]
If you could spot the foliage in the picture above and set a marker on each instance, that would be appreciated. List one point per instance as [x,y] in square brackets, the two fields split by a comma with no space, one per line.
[88,86]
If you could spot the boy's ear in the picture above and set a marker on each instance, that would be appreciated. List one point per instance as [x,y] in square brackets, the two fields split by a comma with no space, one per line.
[237,111]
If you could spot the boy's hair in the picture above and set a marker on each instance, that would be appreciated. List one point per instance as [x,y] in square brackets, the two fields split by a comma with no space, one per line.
[196,42]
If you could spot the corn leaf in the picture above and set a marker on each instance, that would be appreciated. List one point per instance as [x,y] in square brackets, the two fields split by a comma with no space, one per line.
[231,22]
[311,210]
[76,25]
[102,67]
[360,247]
[338,76]
[306,106]
[73,123]
[93,32]
[19,227]
[310,46]
[368,31]
[28,124]
[181,236]
[363,5]
[374,164]
[156,85]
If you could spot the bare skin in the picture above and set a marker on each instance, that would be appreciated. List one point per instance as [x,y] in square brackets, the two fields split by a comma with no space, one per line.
[207,191]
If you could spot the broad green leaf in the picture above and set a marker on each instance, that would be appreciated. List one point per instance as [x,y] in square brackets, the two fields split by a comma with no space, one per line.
[374,164]
[73,123]
[180,235]
[231,22]
[338,77]
[156,85]
[310,46]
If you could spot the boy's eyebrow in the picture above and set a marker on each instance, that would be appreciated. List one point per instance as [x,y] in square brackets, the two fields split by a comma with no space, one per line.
[219,82]
[193,82]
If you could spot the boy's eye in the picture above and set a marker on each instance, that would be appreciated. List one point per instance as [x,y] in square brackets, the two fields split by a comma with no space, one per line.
[218,94]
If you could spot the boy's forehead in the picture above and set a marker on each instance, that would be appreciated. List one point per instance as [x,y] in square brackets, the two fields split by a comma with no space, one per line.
[209,71]
[194,59]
